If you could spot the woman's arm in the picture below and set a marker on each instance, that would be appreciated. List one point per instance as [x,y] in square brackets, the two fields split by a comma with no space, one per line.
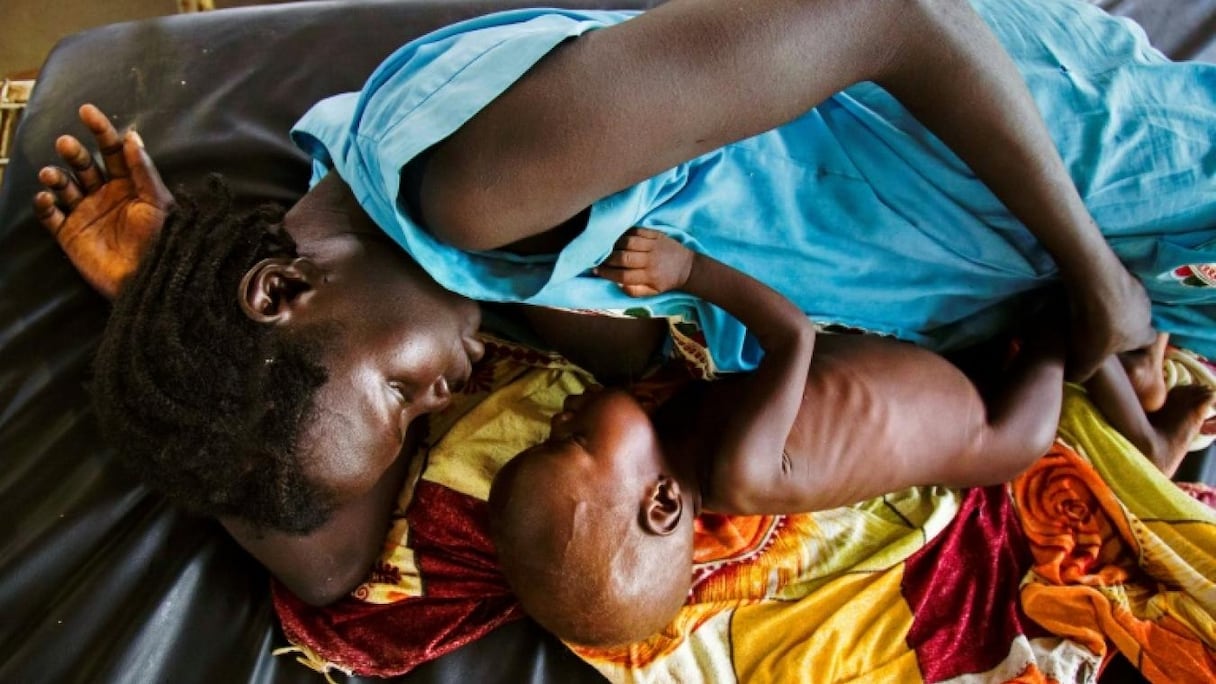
[747,467]
[618,105]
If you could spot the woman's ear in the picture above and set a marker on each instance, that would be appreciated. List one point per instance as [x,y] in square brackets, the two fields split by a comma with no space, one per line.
[663,507]
[270,290]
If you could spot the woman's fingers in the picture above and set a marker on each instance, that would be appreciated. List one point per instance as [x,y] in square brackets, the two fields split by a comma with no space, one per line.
[48,212]
[76,156]
[147,181]
[108,140]
[63,185]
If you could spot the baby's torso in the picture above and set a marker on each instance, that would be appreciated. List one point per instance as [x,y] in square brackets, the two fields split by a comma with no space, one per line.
[873,411]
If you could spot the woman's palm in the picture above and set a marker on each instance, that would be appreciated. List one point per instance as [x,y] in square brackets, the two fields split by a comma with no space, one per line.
[104,221]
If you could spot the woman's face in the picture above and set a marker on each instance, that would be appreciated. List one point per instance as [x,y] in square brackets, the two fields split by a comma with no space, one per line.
[402,345]
[396,344]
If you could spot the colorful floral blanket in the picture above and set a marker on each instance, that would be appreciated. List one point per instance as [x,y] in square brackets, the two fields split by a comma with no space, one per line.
[1089,553]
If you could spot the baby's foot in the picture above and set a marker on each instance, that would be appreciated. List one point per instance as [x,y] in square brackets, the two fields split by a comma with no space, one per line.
[1144,369]
[1177,422]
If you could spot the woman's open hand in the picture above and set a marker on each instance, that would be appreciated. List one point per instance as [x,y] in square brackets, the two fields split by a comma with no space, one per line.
[103,218]
[646,262]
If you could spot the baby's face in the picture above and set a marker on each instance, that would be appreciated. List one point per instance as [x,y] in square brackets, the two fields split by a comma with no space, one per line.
[593,469]
[601,437]
[567,518]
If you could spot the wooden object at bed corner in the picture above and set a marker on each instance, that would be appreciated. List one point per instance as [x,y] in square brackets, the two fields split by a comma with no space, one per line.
[14,94]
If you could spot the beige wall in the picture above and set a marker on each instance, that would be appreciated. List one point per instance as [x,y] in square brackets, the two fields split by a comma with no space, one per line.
[29,28]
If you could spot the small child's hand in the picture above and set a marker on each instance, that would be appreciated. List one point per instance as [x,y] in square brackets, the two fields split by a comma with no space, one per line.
[646,262]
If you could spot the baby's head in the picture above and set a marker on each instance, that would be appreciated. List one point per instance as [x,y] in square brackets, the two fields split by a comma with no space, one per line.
[593,529]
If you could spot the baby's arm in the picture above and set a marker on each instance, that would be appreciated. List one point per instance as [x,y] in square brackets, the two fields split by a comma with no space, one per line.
[749,462]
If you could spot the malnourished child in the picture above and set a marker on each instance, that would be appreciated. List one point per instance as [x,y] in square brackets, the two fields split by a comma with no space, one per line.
[594,527]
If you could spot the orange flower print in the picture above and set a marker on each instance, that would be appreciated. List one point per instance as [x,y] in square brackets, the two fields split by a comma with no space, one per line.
[1066,511]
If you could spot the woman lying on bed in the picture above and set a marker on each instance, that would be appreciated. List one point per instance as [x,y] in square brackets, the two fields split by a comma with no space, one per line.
[284,410]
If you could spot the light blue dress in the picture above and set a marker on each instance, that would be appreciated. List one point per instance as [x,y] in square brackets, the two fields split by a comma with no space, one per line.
[854,210]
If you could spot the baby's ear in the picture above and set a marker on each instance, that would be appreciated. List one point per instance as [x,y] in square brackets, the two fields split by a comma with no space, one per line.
[663,507]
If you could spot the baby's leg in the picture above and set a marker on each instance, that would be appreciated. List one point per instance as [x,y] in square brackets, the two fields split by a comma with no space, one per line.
[1143,368]
[1163,435]
[1176,424]
[1024,408]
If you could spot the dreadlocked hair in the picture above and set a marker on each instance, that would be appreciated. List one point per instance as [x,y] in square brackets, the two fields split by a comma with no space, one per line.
[205,404]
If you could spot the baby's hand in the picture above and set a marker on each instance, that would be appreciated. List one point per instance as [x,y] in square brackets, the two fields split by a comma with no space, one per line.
[646,262]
